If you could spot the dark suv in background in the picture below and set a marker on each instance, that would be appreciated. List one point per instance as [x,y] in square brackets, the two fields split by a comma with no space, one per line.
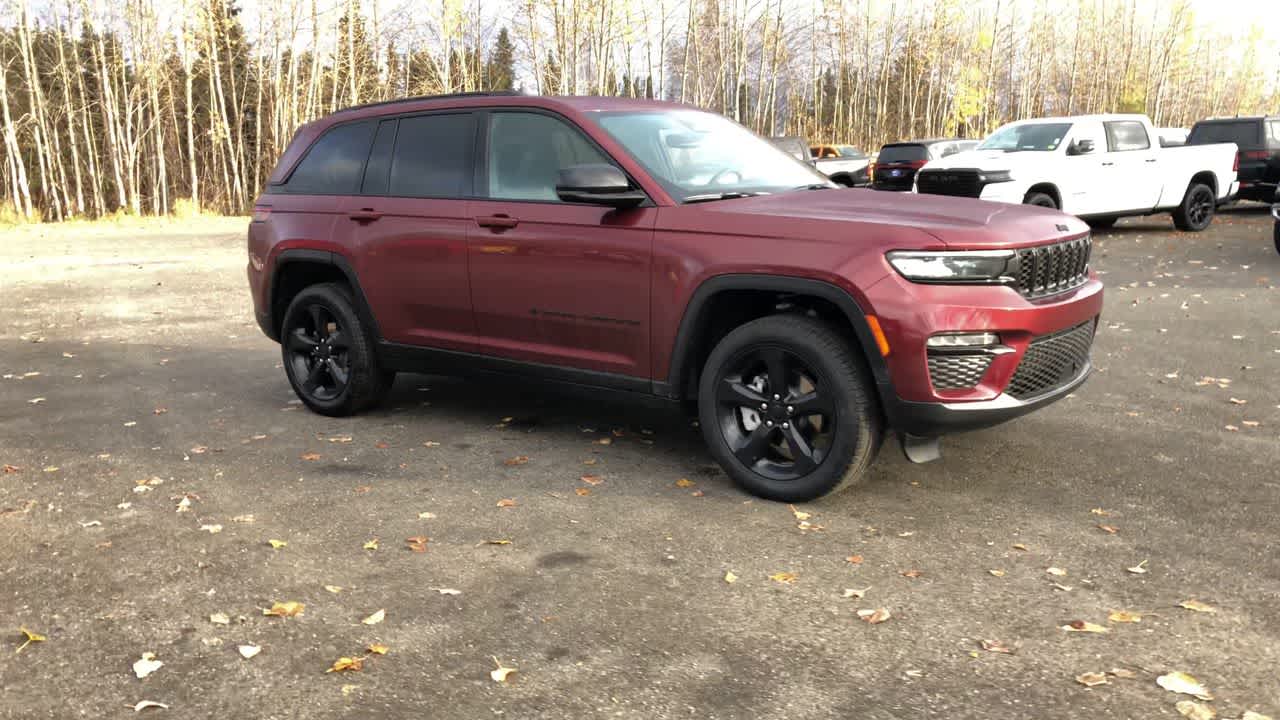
[896,165]
[654,248]
[1258,139]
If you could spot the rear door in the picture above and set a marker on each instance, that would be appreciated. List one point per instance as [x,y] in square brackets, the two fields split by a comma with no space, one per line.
[411,224]
[1134,166]
[554,282]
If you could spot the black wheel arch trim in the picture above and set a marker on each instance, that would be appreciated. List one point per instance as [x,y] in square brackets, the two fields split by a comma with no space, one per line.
[694,317]
[318,257]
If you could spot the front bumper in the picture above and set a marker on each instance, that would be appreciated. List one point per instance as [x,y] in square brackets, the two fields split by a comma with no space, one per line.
[933,419]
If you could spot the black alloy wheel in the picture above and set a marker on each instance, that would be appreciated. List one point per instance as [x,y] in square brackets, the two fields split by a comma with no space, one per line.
[319,353]
[1197,209]
[775,413]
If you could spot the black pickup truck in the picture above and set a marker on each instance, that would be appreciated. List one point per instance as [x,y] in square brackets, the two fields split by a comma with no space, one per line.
[1258,139]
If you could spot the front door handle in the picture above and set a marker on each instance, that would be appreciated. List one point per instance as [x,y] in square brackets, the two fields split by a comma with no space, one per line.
[497,222]
[1151,160]
[364,215]
[1107,164]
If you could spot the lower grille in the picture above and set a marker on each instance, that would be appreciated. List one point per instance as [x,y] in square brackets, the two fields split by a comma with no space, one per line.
[1052,361]
[956,372]
[958,183]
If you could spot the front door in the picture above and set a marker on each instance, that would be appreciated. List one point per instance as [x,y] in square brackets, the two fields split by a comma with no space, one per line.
[554,282]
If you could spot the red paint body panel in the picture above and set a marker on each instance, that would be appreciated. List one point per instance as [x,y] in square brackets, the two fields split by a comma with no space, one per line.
[589,288]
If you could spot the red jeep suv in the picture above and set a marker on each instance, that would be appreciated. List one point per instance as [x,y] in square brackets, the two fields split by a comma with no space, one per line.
[651,247]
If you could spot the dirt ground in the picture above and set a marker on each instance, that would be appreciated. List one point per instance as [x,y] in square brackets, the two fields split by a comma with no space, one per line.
[152,450]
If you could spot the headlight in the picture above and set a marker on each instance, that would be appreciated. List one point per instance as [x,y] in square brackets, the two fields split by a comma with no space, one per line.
[995,176]
[973,266]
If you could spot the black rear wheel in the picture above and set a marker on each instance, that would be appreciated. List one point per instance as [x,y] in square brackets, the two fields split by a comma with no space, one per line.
[1197,209]
[329,355]
[1040,199]
[786,409]
[1102,223]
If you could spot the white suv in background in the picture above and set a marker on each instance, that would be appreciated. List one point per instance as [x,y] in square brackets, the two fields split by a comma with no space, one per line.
[1098,167]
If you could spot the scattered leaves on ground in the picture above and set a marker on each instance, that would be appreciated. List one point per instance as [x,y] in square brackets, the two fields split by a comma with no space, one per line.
[375,618]
[277,544]
[417,543]
[1084,626]
[285,609]
[684,483]
[1184,684]
[1194,710]
[31,637]
[370,544]
[347,664]
[1090,679]
[874,617]
[582,492]
[377,649]
[1197,606]
[146,665]
[785,578]
[592,479]
[501,673]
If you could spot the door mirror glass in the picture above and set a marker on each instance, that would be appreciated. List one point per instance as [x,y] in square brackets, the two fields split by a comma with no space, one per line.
[597,184]
[1083,146]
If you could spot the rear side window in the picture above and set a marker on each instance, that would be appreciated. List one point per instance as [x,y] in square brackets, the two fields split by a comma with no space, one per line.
[379,165]
[335,163]
[434,156]
[902,154]
[1241,132]
[1127,135]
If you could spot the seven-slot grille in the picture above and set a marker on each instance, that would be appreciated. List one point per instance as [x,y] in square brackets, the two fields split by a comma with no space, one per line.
[1052,361]
[956,372]
[958,183]
[1056,268]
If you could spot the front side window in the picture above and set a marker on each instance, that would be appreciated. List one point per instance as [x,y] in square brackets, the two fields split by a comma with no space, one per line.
[1126,136]
[527,151]
[1027,137]
[695,154]
[433,156]
[335,163]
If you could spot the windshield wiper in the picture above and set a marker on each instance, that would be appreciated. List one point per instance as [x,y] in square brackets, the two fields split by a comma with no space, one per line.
[709,197]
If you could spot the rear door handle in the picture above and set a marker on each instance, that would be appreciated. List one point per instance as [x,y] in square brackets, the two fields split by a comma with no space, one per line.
[497,222]
[1107,164]
[364,215]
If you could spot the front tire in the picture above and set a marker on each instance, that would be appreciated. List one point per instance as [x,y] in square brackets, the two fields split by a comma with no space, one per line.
[329,355]
[1102,223]
[787,409]
[1040,199]
[1197,209]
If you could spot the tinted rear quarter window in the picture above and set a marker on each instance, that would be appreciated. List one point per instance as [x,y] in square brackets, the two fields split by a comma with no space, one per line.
[1241,132]
[434,156]
[902,154]
[378,168]
[335,163]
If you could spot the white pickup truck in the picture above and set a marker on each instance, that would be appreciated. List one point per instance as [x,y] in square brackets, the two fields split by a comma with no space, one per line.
[1099,167]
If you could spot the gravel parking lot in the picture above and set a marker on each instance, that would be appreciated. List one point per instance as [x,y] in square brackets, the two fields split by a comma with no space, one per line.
[152,451]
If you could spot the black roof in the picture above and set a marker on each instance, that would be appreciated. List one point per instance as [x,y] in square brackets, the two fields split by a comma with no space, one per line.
[930,141]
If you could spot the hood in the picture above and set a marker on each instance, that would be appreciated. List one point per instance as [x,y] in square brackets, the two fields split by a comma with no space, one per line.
[989,160]
[890,217]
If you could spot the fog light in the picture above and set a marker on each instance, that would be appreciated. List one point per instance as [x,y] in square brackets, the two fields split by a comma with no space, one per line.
[962,340]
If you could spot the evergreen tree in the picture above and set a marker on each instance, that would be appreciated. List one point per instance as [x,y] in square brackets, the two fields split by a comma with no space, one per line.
[500,73]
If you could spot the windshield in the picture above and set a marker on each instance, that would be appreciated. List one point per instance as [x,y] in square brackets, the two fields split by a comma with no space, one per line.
[1035,137]
[692,153]
[890,154]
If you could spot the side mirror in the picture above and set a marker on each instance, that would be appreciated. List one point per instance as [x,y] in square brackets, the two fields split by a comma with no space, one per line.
[1083,146]
[597,184]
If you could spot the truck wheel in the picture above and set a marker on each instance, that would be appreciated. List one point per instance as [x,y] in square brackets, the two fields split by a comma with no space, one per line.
[328,354]
[787,410]
[1102,223]
[1040,199]
[1197,208]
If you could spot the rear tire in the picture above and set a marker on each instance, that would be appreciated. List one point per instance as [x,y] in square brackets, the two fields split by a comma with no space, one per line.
[329,355]
[1040,199]
[1197,209]
[1102,223]
[820,433]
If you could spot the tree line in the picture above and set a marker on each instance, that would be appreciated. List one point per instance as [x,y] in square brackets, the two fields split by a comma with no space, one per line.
[146,106]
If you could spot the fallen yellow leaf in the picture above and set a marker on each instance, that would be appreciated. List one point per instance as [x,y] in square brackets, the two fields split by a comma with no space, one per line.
[335,589]
[1057,571]
[729,577]
[874,617]
[501,673]
[32,637]
[854,559]
[1108,529]
[684,483]
[997,573]
[1182,683]
[1194,710]
[1124,616]
[417,543]
[375,618]
[785,578]
[371,544]
[800,514]
[378,649]
[1139,569]
[285,609]
[346,664]
[506,503]
[517,460]
[582,492]
[311,456]
[995,646]
[1197,606]
[592,479]
[497,542]
[1092,678]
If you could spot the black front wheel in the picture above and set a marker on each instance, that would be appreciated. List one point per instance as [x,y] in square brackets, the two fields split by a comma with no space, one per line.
[787,410]
[328,353]
[1102,223]
[1040,199]
[1197,209]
